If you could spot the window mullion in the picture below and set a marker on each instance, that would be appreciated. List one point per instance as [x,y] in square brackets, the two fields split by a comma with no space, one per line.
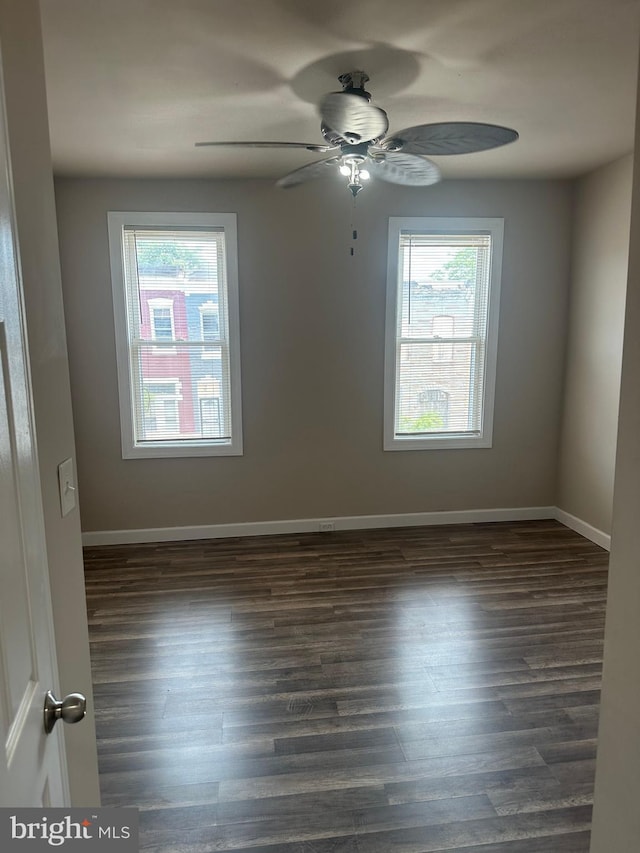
[471,339]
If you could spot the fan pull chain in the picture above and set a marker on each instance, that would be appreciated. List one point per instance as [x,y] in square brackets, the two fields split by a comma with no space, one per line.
[354,230]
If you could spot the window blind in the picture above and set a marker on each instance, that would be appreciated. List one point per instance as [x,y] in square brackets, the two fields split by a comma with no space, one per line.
[178,334]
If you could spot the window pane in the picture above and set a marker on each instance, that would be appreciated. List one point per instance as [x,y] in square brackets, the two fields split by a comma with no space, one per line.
[180,283]
[193,404]
[440,277]
[436,397]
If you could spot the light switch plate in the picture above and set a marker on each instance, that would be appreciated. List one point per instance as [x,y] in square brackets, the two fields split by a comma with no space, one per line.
[67,485]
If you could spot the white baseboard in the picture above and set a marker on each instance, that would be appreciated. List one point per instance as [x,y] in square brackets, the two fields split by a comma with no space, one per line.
[587,530]
[311,525]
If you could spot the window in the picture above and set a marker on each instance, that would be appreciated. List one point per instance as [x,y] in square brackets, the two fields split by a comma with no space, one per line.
[441,332]
[162,325]
[211,424]
[160,408]
[175,295]
[210,328]
[161,317]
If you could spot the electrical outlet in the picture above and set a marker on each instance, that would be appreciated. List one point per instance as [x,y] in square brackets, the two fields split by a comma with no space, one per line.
[327,526]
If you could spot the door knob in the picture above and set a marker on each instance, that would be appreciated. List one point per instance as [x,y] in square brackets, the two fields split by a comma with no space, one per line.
[72,709]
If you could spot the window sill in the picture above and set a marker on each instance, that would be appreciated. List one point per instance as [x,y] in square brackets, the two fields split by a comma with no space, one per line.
[438,443]
[170,450]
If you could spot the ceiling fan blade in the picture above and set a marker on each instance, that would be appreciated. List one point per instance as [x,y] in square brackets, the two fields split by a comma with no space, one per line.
[407,169]
[307,173]
[310,146]
[449,137]
[353,117]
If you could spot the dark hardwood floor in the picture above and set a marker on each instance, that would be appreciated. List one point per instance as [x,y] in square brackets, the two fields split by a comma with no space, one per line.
[407,690]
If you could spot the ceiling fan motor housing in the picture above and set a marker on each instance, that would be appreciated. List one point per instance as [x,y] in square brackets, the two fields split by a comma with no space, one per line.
[358,151]
[353,83]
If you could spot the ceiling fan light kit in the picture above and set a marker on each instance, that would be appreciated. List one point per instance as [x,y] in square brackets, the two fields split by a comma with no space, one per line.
[355,131]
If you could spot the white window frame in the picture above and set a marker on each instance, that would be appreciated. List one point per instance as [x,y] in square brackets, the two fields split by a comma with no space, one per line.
[435,225]
[117,222]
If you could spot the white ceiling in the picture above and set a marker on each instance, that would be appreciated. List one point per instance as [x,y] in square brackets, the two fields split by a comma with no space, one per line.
[132,84]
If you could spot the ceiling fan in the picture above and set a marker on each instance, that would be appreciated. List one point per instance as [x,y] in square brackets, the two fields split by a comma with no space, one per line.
[355,131]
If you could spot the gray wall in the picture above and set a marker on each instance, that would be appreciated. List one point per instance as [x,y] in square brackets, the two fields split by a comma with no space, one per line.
[23,73]
[312,322]
[616,817]
[594,352]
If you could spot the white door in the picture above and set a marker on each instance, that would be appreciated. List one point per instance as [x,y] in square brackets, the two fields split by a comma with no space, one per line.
[32,766]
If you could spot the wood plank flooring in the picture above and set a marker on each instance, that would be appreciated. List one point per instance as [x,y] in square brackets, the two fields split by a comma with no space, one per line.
[408,690]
